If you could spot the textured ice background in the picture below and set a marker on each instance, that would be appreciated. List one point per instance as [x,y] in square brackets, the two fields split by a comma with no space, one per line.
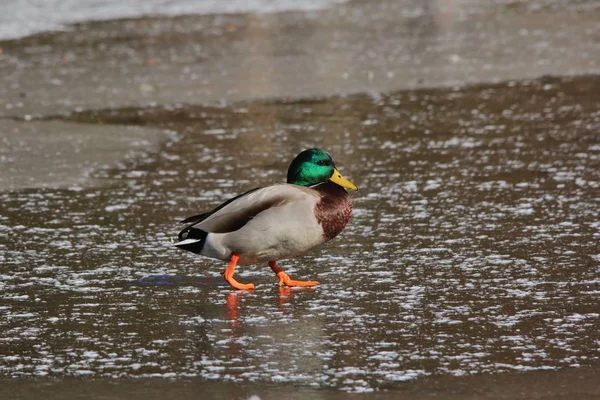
[473,248]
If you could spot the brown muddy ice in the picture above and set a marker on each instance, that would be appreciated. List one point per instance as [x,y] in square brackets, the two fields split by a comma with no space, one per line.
[470,268]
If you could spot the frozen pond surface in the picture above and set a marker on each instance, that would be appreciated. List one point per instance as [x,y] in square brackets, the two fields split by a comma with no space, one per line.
[471,268]
[473,248]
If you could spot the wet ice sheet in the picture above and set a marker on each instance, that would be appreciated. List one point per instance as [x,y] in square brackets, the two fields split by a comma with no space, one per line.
[473,246]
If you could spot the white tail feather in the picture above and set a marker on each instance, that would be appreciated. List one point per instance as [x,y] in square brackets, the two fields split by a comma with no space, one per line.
[187,241]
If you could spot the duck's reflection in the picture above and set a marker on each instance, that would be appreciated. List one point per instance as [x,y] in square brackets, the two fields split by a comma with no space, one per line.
[272,330]
[231,304]
[234,307]
[233,316]
[285,295]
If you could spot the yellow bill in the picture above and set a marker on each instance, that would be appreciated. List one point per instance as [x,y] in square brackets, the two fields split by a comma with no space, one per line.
[338,179]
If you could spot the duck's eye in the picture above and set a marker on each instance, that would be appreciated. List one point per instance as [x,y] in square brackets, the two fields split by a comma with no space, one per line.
[322,162]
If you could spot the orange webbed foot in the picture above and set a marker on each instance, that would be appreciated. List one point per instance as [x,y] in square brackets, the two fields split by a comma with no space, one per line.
[240,286]
[284,279]
[228,274]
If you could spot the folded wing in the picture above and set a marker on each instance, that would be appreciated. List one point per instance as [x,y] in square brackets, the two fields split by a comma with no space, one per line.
[235,213]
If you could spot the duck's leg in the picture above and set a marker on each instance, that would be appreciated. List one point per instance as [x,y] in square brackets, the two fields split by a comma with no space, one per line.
[228,274]
[284,279]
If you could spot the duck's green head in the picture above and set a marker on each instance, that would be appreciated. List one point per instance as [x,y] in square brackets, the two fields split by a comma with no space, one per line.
[314,166]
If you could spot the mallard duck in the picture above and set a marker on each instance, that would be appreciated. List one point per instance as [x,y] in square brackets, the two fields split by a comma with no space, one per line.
[275,222]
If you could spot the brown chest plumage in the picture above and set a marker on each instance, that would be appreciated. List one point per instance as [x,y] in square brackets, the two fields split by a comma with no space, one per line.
[334,210]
